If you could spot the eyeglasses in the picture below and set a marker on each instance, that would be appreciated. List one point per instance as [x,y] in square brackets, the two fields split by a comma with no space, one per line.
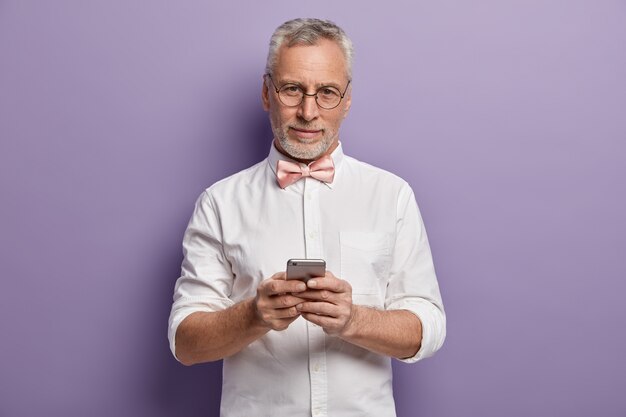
[292,95]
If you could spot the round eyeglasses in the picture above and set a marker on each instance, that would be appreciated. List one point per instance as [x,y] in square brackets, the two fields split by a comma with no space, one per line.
[292,95]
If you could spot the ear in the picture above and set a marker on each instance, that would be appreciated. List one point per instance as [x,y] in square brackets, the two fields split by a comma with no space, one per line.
[347,103]
[265,95]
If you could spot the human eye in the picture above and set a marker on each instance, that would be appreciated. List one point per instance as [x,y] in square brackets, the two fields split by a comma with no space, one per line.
[291,90]
[329,92]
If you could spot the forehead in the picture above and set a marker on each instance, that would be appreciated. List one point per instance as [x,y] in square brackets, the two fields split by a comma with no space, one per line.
[320,63]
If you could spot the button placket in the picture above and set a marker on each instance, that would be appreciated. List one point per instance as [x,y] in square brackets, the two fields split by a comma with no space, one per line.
[311,212]
[316,335]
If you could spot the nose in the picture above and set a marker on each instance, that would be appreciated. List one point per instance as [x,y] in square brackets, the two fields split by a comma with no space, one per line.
[308,109]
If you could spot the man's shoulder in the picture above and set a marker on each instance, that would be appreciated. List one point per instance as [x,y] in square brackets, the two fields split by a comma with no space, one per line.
[371,173]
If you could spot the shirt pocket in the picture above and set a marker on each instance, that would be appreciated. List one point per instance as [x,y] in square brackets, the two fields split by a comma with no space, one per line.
[365,263]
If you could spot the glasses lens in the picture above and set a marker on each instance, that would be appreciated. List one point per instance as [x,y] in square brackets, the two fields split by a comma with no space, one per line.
[290,95]
[328,97]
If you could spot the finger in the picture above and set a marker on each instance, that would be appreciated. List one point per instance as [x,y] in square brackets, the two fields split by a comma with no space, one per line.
[266,305]
[285,313]
[283,301]
[319,308]
[323,321]
[329,283]
[279,275]
[272,314]
[320,295]
[280,286]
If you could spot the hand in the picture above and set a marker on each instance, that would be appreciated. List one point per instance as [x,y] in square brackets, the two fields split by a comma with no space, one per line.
[328,303]
[275,303]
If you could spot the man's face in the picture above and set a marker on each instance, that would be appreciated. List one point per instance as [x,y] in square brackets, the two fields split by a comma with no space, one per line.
[306,132]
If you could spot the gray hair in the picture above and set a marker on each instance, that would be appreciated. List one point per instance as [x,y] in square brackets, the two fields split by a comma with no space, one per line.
[308,31]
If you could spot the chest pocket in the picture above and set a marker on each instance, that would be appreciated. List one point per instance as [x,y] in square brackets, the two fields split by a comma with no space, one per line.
[365,263]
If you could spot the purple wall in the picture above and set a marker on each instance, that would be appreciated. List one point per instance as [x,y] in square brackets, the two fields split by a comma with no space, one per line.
[507,117]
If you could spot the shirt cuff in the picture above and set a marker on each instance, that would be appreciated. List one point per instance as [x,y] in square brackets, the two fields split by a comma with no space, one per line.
[433,326]
[185,306]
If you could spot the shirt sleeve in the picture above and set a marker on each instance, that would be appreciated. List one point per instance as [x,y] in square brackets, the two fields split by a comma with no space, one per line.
[206,275]
[413,284]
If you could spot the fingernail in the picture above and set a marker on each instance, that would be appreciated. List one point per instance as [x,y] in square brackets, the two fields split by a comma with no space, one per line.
[312,284]
[298,307]
[301,287]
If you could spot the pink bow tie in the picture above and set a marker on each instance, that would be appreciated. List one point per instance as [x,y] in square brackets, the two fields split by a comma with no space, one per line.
[289,172]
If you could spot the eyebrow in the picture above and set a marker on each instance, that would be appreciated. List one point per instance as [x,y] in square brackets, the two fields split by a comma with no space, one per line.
[317,86]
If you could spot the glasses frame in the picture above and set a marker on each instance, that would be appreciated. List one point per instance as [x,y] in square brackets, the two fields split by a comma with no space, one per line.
[305,94]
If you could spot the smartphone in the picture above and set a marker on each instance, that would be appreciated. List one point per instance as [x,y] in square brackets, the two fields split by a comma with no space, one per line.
[305,269]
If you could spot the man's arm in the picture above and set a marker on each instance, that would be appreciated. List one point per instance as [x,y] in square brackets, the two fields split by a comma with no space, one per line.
[396,333]
[209,336]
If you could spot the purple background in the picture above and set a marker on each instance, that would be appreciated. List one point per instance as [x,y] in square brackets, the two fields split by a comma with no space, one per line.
[507,118]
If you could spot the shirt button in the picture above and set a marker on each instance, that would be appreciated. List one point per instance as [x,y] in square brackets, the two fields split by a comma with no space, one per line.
[316,412]
[316,368]
[312,235]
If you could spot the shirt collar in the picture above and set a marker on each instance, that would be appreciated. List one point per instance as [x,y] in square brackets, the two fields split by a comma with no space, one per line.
[274,156]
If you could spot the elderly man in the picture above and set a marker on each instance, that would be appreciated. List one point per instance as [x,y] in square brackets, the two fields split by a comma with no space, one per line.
[323,347]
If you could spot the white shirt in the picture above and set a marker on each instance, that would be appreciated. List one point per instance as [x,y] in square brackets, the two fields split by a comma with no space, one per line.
[367,227]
